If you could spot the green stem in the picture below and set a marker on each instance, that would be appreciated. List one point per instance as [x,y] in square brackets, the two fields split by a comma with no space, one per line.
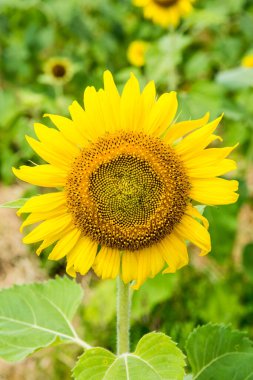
[123,316]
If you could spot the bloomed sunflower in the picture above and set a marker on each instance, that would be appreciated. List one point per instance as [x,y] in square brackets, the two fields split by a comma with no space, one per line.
[247,61]
[126,176]
[165,12]
[136,52]
[58,70]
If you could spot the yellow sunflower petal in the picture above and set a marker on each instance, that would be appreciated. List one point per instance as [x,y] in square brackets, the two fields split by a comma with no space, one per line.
[129,266]
[50,227]
[214,191]
[111,89]
[192,211]
[82,256]
[52,238]
[41,175]
[189,229]
[48,154]
[43,203]
[220,168]
[46,243]
[82,122]
[56,142]
[94,110]
[150,262]
[107,263]
[148,96]
[68,129]
[180,129]
[162,113]
[38,217]
[197,140]
[174,252]
[71,271]
[111,100]
[208,157]
[130,106]
[65,245]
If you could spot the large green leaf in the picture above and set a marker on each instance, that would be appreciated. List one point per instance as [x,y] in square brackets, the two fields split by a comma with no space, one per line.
[34,316]
[156,358]
[236,366]
[210,343]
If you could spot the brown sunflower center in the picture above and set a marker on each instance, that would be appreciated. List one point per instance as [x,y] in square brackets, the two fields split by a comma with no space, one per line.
[58,70]
[166,3]
[127,190]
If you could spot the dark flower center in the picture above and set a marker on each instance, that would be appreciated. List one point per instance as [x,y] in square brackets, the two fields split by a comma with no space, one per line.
[166,3]
[59,70]
[127,190]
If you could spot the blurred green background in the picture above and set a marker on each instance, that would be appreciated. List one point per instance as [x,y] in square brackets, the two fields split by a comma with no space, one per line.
[201,59]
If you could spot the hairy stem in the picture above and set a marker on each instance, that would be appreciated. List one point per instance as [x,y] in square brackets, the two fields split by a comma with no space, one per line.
[123,316]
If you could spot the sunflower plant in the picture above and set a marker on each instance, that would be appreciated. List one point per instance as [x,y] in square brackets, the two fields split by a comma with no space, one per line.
[126,183]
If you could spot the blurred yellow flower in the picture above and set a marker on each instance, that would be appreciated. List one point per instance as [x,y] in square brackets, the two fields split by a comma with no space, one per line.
[58,70]
[165,12]
[247,61]
[136,53]
[125,175]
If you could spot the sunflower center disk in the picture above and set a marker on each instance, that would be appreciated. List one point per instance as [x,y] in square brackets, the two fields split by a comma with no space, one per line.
[59,70]
[166,3]
[127,190]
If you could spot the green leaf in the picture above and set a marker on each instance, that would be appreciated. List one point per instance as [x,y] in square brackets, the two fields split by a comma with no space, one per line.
[236,366]
[238,78]
[208,343]
[156,358]
[14,204]
[34,316]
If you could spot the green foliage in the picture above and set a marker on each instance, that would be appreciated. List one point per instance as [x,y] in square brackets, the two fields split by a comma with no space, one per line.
[248,260]
[237,366]
[14,204]
[238,78]
[153,292]
[156,358]
[37,315]
[215,351]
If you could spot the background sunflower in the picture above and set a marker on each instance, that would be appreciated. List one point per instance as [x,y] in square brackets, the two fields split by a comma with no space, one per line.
[165,12]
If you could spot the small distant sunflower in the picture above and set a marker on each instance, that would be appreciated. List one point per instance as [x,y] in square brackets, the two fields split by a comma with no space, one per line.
[58,70]
[247,61]
[165,12]
[126,175]
[136,52]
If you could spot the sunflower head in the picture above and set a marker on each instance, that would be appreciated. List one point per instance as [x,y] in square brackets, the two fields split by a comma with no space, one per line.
[165,12]
[136,52]
[58,70]
[247,61]
[126,176]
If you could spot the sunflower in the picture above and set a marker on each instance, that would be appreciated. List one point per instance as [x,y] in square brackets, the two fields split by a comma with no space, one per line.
[58,70]
[126,175]
[165,12]
[136,52]
[247,61]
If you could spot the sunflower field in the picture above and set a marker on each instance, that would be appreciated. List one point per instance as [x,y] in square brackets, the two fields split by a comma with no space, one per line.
[126,189]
